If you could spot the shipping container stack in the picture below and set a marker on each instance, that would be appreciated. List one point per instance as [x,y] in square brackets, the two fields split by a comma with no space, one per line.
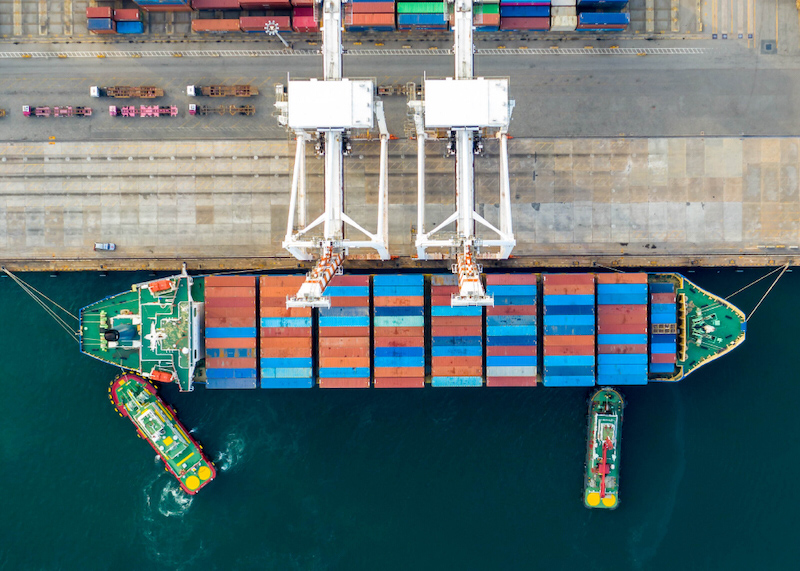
[525,15]
[164,5]
[664,328]
[230,336]
[216,5]
[563,15]
[417,15]
[99,20]
[485,16]
[344,334]
[285,336]
[511,331]
[602,15]
[622,329]
[399,330]
[456,338]
[369,16]
[303,19]
[216,25]
[277,11]
[569,330]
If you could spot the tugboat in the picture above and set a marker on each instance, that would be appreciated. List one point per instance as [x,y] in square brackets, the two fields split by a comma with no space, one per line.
[601,489]
[136,399]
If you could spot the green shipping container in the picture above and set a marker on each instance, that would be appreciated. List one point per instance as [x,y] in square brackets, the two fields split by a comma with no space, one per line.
[487,9]
[421,8]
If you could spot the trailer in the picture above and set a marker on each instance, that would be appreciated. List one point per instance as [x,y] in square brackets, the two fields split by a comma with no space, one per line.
[35,111]
[70,111]
[221,109]
[221,90]
[143,111]
[126,91]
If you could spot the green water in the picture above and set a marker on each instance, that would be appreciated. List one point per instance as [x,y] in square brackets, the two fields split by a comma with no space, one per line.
[373,480]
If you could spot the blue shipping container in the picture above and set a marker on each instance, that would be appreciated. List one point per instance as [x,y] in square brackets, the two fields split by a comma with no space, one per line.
[362,321]
[399,311]
[604,18]
[291,362]
[510,320]
[286,372]
[231,383]
[447,311]
[568,319]
[622,299]
[298,383]
[455,351]
[568,360]
[130,27]
[572,381]
[628,359]
[621,339]
[568,371]
[343,372]
[662,318]
[662,367]
[568,300]
[661,287]
[510,340]
[511,330]
[569,330]
[99,24]
[416,19]
[456,341]
[604,289]
[284,322]
[622,380]
[456,382]
[230,332]
[347,291]
[524,11]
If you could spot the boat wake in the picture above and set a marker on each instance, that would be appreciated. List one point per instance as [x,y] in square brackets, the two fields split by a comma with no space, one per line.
[232,455]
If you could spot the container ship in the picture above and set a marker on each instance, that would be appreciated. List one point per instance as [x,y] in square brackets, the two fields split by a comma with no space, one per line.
[400,331]
[136,399]
[601,489]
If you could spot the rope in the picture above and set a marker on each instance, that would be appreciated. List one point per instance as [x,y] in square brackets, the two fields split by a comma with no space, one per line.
[754,283]
[607,268]
[786,267]
[49,310]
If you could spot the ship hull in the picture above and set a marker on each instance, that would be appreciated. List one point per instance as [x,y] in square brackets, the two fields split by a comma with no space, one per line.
[603,440]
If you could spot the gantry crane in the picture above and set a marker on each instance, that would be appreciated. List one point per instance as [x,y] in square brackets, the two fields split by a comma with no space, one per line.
[465,105]
[330,109]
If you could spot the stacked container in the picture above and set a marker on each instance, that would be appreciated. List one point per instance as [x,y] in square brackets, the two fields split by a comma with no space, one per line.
[344,355]
[230,323]
[216,5]
[456,338]
[622,329]
[563,15]
[663,320]
[569,330]
[303,17]
[99,21]
[285,340]
[216,26]
[485,16]
[259,23]
[130,27]
[127,15]
[418,15]
[602,21]
[399,330]
[164,5]
[369,16]
[511,331]
[526,15]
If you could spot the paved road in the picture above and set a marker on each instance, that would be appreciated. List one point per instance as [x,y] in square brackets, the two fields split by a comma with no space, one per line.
[728,90]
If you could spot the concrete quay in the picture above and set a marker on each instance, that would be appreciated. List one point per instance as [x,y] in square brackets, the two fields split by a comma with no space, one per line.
[626,202]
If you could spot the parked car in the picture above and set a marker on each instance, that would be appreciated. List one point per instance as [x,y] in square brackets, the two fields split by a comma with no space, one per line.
[104,246]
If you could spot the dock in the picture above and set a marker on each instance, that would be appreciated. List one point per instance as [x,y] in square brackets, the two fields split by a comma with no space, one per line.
[627,202]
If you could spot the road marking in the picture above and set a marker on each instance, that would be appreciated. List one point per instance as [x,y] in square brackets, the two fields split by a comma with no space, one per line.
[364,52]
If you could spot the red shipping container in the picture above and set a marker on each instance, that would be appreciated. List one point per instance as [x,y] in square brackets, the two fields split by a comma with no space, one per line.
[344,332]
[371,7]
[302,2]
[438,362]
[98,12]
[346,301]
[128,15]
[400,331]
[343,352]
[230,321]
[622,318]
[285,332]
[339,362]
[510,381]
[354,281]
[458,320]
[230,302]
[399,382]
[231,363]
[460,331]
[399,372]
[215,4]
[622,328]
[344,342]
[284,312]
[511,351]
[230,312]
[373,19]
[566,340]
[565,350]
[285,352]
[540,24]
[662,358]
[165,7]
[285,342]
[225,343]
[248,292]
[511,310]
[511,279]
[281,281]
[344,383]
[215,26]
[457,372]
[404,301]
[636,311]
[575,289]
[566,279]
[663,298]
[618,278]
[399,341]
[622,349]
[259,23]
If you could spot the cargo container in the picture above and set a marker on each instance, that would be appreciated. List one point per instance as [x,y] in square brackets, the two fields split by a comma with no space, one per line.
[164,6]
[456,358]
[215,26]
[348,317]
[130,27]
[103,12]
[127,15]
[511,331]
[101,25]
[216,5]
[259,23]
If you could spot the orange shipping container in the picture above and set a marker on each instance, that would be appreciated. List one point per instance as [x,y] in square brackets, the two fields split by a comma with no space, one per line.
[284,312]
[457,372]
[567,279]
[279,291]
[456,321]
[230,321]
[373,19]
[344,352]
[581,289]
[622,318]
[343,301]
[553,340]
[285,352]
[225,343]
[230,281]
[339,362]
[344,332]
[281,281]
[215,26]
[618,278]
[286,332]
[279,343]
[227,291]
[230,312]
[403,301]
[344,383]
[344,342]
[399,331]
[399,372]
[417,341]
[437,362]
[399,382]
[231,363]
[556,350]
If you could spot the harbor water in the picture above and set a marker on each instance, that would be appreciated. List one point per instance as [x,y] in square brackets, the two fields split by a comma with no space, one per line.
[462,478]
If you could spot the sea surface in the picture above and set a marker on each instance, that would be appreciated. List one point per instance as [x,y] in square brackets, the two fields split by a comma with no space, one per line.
[399,479]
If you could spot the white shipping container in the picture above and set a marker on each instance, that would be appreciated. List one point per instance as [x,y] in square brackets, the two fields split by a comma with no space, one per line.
[563,23]
[563,11]
[554,3]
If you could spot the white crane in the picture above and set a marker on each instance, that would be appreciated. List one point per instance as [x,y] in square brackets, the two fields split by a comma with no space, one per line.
[465,105]
[331,109]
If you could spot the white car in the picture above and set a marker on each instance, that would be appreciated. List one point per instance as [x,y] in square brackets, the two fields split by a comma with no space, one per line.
[104,246]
